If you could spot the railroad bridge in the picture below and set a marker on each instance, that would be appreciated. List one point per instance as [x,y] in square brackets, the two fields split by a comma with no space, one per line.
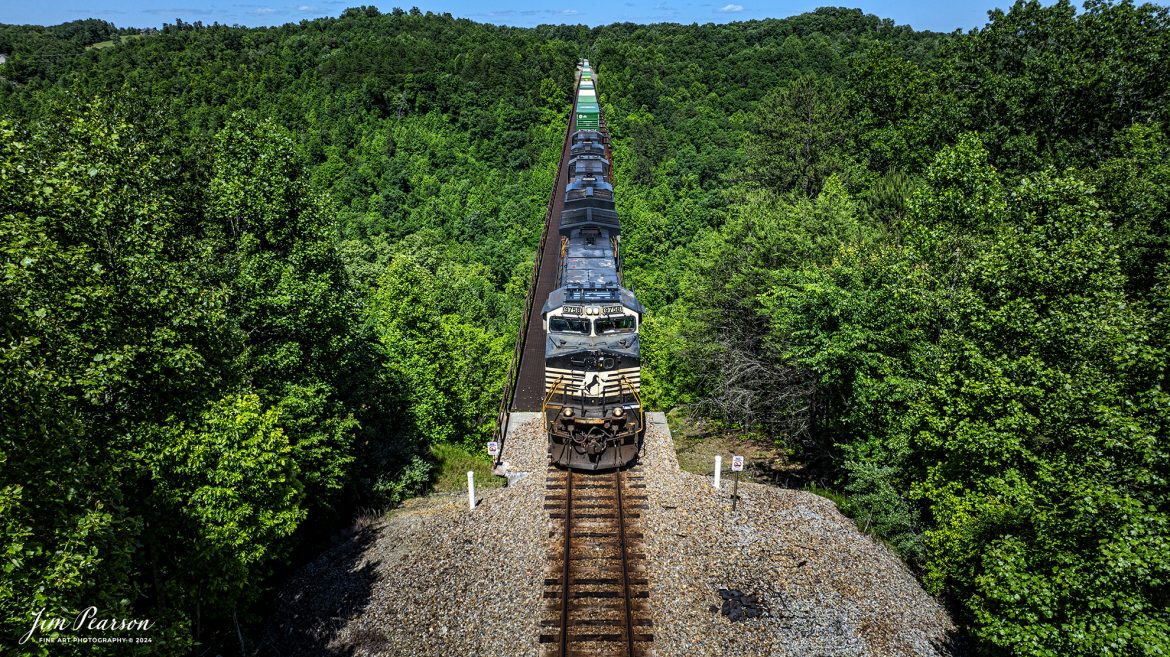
[524,390]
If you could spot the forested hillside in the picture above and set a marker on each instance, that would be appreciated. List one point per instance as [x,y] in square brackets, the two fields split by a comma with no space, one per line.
[251,276]
[936,269]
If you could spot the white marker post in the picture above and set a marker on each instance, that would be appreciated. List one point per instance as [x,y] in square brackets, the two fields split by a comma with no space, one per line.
[718,470]
[471,489]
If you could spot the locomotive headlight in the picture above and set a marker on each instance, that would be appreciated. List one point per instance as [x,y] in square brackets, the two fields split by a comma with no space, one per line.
[568,412]
[617,412]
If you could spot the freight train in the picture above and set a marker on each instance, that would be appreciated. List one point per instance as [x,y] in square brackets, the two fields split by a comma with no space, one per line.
[592,405]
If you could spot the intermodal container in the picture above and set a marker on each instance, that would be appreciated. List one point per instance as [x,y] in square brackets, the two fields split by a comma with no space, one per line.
[588,116]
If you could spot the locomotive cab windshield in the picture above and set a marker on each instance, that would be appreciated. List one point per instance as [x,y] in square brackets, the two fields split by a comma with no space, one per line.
[574,325]
[571,323]
[615,325]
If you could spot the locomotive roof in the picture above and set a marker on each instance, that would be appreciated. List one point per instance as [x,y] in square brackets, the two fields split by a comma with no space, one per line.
[564,295]
[584,183]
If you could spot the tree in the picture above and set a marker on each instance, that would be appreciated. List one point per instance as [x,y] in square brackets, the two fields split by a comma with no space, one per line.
[231,485]
[104,331]
[289,295]
[800,136]
[1038,468]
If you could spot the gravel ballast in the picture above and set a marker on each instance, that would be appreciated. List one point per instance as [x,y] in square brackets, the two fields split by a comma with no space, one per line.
[434,579]
[828,588]
[431,579]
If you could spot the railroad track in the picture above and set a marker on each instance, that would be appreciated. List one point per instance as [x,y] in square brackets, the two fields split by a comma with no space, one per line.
[596,591]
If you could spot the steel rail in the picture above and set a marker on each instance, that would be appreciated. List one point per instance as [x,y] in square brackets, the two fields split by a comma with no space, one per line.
[617,480]
[565,597]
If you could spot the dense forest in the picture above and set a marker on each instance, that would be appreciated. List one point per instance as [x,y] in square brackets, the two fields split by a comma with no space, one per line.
[936,268]
[253,276]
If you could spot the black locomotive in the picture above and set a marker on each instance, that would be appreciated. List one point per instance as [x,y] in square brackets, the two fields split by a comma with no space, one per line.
[592,407]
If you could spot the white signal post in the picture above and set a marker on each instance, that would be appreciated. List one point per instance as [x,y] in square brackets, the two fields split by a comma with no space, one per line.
[718,470]
[471,489]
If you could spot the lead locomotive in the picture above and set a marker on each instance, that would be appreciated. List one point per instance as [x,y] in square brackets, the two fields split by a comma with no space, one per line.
[592,407]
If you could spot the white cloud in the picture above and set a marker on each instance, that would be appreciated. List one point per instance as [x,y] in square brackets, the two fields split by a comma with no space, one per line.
[731,9]
[305,8]
[528,13]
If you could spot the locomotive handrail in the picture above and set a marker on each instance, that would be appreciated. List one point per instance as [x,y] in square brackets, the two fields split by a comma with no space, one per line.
[548,396]
[509,395]
[638,399]
[617,259]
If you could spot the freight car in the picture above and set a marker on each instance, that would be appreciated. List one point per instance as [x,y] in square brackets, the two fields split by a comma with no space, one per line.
[592,407]
[588,113]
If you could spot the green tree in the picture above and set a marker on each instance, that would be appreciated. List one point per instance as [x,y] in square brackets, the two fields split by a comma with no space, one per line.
[288,294]
[800,136]
[231,486]
[996,407]
[449,366]
[1040,471]
[103,331]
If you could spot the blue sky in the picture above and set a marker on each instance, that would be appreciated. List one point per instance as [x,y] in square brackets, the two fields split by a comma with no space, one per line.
[921,14]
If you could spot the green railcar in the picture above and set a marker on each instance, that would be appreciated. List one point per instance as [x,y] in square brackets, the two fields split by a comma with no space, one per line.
[588,116]
[588,112]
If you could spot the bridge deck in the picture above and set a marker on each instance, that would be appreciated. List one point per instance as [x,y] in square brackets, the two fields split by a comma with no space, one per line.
[530,380]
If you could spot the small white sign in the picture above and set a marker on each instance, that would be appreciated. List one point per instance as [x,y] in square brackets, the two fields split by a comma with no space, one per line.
[736,463]
[493,448]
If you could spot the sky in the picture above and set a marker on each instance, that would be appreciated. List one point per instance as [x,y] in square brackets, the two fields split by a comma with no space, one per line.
[942,16]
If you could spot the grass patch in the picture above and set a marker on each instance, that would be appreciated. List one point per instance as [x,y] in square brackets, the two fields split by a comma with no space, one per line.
[453,462]
[831,495]
[697,441]
[112,42]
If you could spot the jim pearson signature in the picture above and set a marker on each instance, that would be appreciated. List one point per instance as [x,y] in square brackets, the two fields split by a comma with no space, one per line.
[86,619]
